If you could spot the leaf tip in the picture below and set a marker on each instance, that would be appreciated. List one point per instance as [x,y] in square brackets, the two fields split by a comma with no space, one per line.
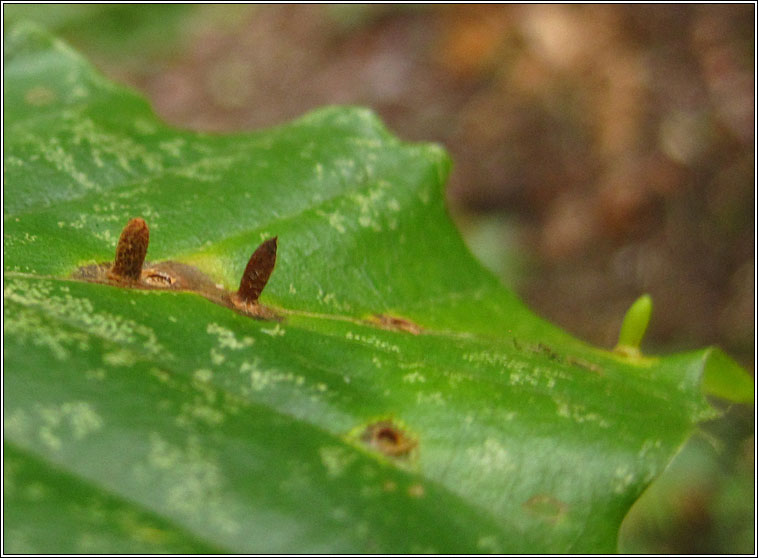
[726,379]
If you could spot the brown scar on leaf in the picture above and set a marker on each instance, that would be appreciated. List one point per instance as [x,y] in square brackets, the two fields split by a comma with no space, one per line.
[395,324]
[130,270]
[416,491]
[576,361]
[545,350]
[388,439]
[546,507]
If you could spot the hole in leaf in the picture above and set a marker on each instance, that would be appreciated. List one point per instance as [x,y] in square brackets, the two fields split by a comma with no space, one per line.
[157,278]
[388,439]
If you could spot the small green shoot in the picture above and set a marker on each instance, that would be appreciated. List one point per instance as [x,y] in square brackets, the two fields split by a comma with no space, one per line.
[634,326]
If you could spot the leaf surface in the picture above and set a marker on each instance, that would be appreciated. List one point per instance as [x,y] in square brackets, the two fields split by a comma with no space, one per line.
[162,422]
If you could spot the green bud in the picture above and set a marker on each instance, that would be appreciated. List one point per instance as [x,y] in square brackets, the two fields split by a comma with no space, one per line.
[634,326]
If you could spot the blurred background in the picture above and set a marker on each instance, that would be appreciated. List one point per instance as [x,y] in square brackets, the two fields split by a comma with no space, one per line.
[600,152]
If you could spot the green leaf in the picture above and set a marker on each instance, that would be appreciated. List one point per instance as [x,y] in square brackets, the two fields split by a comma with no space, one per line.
[724,378]
[159,421]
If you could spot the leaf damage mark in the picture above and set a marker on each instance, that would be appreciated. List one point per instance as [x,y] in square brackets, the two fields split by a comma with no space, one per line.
[548,352]
[416,491]
[389,439]
[587,365]
[130,270]
[40,96]
[546,507]
[395,323]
